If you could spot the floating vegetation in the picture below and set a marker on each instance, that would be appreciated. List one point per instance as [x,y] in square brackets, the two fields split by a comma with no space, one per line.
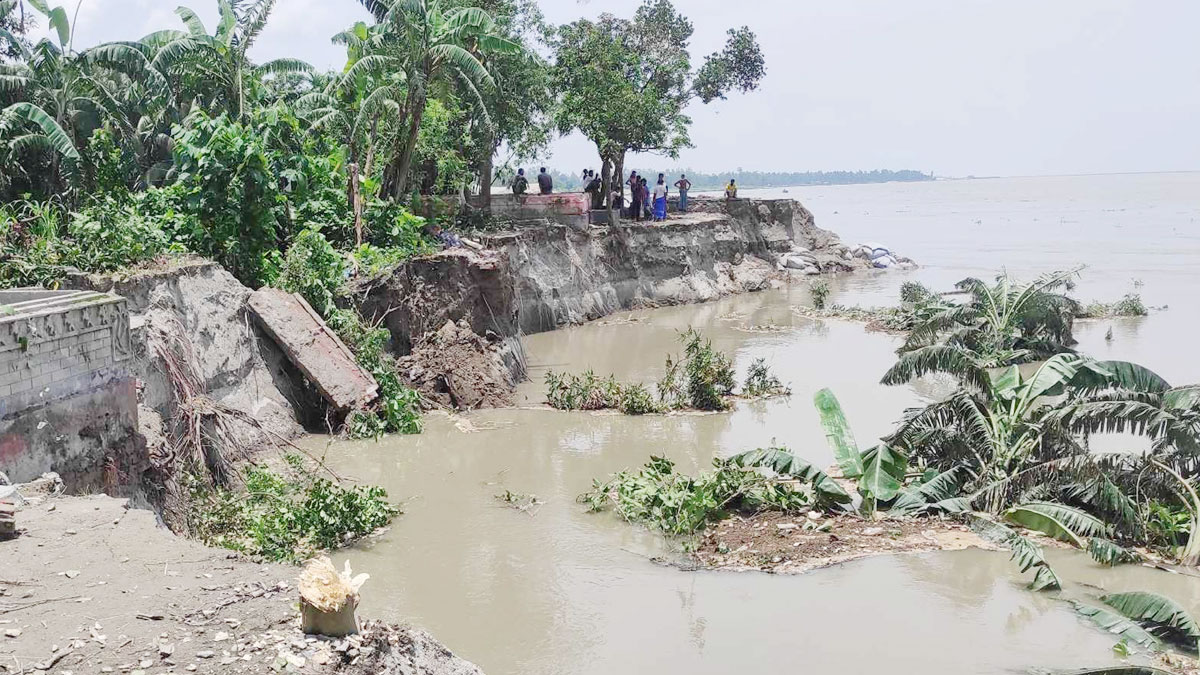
[703,379]
[1130,305]
[526,503]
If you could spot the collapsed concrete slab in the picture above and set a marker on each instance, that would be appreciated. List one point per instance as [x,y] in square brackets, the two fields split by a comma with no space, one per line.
[314,348]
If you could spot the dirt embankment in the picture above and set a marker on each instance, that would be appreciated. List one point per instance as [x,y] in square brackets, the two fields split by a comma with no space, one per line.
[792,544]
[93,587]
[566,276]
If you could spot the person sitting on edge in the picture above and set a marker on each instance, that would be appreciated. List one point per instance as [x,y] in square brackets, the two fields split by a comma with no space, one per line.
[731,189]
[684,185]
[545,182]
[520,184]
[451,240]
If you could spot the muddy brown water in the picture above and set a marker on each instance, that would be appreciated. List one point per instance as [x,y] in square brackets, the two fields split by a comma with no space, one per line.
[561,590]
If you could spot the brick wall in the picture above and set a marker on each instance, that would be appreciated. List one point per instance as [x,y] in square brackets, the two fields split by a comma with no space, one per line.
[67,400]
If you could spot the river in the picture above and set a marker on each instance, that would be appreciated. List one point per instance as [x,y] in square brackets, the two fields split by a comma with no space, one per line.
[562,590]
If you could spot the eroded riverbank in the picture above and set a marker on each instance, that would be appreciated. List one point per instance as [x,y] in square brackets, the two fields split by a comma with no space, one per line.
[564,590]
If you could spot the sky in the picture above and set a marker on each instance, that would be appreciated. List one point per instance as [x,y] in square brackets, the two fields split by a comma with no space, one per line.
[953,87]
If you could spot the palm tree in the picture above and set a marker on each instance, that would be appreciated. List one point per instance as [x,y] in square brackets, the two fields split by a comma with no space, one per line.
[1006,425]
[430,46]
[996,326]
[214,70]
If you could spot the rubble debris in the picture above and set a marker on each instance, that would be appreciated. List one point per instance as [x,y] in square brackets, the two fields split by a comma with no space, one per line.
[313,348]
[328,598]
[8,520]
[456,368]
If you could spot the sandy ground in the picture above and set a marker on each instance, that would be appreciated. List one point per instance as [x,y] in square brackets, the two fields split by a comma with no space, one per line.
[90,586]
[791,544]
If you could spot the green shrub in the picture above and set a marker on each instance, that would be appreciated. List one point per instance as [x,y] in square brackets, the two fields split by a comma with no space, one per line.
[659,497]
[819,289]
[225,179]
[708,374]
[635,399]
[761,383]
[582,392]
[288,516]
[313,269]
[1129,305]
[914,292]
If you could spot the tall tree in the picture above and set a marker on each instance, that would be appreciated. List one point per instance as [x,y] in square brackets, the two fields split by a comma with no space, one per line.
[625,83]
[432,46]
[519,107]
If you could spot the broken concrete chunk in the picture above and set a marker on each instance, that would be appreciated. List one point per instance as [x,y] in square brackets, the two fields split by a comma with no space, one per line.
[313,348]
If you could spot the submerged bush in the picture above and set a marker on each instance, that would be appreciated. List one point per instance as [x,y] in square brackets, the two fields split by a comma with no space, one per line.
[708,373]
[760,382]
[636,399]
[659,497]
[582,392]
[286,516]
[702,380]
[1130,305]
[819,289]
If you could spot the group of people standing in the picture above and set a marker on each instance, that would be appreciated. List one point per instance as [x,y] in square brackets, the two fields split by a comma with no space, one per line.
[645,202]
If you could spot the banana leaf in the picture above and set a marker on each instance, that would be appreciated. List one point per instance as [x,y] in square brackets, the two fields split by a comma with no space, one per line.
[883,473]
[1062,522]
[1118,625]
[1158,610]
[837,432]
[784,463]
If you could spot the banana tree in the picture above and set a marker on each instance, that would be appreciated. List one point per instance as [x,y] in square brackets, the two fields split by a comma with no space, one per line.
[879,471]
[1005,425]
[998,325]
[215,70]
[433,46]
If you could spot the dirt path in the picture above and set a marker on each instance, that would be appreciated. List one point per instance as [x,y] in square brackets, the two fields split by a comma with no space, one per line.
[790,544]
[93,587]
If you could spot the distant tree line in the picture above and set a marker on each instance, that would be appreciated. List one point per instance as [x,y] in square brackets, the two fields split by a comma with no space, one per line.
[564,182]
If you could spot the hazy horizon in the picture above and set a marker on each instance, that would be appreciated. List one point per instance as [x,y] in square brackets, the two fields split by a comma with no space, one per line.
[1018,89]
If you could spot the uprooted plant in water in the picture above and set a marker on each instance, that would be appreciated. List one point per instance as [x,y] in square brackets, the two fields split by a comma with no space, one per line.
[702,379]
[287,515]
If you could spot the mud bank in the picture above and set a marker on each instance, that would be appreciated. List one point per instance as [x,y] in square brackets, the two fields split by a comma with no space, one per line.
[793,544]
[92,586]
[563,276]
